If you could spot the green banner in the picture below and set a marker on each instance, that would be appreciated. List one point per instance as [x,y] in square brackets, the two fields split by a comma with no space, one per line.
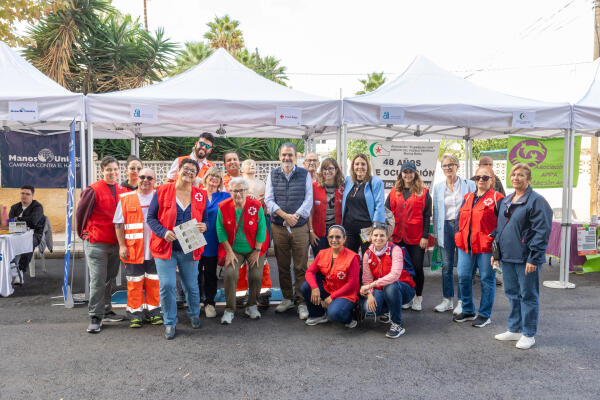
[544,156]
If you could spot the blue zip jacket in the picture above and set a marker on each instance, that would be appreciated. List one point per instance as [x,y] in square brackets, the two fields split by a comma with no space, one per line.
[374,195]
[523,237]
[439,207]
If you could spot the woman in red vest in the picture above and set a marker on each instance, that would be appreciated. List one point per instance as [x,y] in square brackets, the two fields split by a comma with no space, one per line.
[172,205]
[95,212]
[332,282]
[242,233]
[385,283]
[478,218]
[410,202]
[328,191]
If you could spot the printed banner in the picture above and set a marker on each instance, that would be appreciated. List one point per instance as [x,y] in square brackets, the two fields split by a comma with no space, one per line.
[387,158]
[146,113]
[544,156]
[38,160]
[391,115]
[523,119]
[288,116]
[25,111]
[69,223]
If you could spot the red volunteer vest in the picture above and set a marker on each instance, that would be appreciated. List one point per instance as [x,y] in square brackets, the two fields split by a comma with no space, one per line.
[320,208]
[408,216]
[133,226]
[100,227]
[203,168]
[336,275]
[480,220]
[380,267]
[167,215]
[250,224]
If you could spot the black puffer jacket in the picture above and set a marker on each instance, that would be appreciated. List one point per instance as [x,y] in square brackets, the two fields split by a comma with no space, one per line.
[33,216]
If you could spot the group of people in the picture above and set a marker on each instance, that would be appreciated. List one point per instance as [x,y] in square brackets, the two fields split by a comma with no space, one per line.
[368,250]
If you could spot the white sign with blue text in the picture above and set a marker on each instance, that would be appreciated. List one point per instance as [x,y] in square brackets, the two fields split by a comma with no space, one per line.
[147,113]
[391,115]
[26,111]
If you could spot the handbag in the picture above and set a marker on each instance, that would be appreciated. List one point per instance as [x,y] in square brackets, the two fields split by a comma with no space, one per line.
[496,251]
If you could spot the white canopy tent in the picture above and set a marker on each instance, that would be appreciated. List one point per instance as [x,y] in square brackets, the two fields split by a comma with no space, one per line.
[429,102]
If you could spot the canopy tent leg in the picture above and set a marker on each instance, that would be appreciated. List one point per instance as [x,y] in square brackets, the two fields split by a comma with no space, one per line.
[468,154]
[137,146]
[344,149]
[132,146]
[338,148]
[90,179]
[566,220]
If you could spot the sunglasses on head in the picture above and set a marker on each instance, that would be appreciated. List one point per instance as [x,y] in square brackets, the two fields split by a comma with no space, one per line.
[484,178]
[148,178]
[202,144]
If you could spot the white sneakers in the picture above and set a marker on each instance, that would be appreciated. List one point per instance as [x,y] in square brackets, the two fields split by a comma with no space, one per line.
[227,318]
[407,305]
[523,342]
[252,312]
[285,305]
[302,312]
[209,310]
[417,303]
[317,320]
[445,305]
[458,308]
[352,324]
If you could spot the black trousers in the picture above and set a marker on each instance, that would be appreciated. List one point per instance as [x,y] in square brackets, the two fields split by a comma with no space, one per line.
[24,261]
[207,279]
[416,254]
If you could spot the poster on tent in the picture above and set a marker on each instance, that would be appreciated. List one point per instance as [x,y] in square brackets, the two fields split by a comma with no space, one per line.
[387,158]
[38,160]
[545,157]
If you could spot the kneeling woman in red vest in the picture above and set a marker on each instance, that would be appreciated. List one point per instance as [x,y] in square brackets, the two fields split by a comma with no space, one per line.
[243,239]
[478,217]
[172,205]
[411,203]
[385,283]
[332,282]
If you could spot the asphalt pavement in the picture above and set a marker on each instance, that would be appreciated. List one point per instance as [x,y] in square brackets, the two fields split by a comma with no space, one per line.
[45,352]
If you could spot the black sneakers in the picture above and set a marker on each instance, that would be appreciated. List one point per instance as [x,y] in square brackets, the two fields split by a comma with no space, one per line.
[111,316]
[462,317]
[396,330]
[95,325]
[480,322]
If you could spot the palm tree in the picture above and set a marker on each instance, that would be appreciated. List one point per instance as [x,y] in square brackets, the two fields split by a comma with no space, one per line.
[372,82]
[194,54]
[224,33]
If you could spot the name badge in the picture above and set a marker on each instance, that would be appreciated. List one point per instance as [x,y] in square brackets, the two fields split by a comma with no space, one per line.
[317,202]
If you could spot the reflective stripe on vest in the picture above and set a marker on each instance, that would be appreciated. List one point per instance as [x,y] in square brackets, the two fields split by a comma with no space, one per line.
[133,218]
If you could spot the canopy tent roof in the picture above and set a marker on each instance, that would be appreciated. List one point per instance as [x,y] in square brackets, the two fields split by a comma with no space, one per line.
[21,82]
[218,93]
[437,104]
[586,111]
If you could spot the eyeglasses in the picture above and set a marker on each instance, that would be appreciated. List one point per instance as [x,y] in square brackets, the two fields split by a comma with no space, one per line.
[484,178]
[148,178]
[135,168]
[448,166]
[334,237]
[189,171]
[329,169]
[239,191]
[202,144]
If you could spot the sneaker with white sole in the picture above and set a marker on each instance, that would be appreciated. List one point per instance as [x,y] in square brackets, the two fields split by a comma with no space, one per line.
[352,324]
[480,321]
[317,320]
[285,305]
[508,335]
[407,305]
[95,325]
[462,317]
[417,303]
[209,311]
[227,318]
[384,318]
[525,342]
[302,312]
[445,305]
[458,308]
[111,316]
[252,312]
[396,330]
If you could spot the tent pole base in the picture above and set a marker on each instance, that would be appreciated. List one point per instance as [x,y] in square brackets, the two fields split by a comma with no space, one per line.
[559,285]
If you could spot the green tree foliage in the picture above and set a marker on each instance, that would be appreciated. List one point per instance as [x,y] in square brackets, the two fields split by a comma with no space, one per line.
[89,47]
[372,82]
[457,147]
[15,11]
[194,54]
[224,32]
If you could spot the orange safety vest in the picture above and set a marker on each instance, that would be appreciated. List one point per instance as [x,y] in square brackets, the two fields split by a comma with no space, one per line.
[336,275]
[134,227]
[408,215]
[167,215]
[320,208]
[479,220]
[380,267]
[99,226]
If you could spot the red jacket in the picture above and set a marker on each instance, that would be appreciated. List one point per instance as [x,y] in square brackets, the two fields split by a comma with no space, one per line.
[408,216]
[250,225]
[380,267]
[479,220]
[167,215]
[100,227]
[203,169]
[320,208]
[336,275]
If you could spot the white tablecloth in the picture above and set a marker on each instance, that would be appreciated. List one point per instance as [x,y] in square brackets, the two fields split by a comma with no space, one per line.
[10,247]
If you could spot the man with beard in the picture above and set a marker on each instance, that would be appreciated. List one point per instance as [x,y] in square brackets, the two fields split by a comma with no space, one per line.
[203,147]
[231,161]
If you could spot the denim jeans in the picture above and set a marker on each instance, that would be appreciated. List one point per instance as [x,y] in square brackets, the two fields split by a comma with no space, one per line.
[391,298]
[467,263]
[340,309]
[523,292]
[188,272]
[448,254]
